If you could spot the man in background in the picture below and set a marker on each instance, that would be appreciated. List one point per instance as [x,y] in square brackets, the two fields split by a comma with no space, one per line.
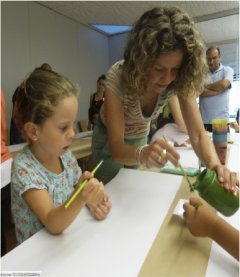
[214,100]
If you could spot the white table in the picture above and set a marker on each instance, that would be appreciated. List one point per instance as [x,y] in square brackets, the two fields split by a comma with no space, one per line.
[114,247]
[6,172]
[118,245]
[80,146]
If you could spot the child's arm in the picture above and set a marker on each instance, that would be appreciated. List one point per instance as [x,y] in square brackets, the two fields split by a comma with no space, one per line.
[58,219]
[226,236]
[101,210]
[235,126]
[204,222]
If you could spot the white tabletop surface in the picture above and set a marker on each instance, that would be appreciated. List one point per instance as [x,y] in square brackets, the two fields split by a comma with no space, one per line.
[118,245]
[114,247]
[6,172]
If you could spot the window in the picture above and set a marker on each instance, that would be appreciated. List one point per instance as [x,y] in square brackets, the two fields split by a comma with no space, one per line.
[234,101]
[112,29]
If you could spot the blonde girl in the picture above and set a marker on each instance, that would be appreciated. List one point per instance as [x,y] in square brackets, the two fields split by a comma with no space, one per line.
[45,174]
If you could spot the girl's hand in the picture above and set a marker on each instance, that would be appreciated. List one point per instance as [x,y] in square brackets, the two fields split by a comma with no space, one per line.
[84,176]
[158,153]
[228,179]
[93,192]
[102,209]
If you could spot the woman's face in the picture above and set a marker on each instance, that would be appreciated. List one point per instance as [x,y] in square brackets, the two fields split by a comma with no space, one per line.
[163,71]
[101,85]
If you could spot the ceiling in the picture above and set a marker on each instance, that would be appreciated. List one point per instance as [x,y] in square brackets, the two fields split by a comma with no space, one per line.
[127,12]
[218,21]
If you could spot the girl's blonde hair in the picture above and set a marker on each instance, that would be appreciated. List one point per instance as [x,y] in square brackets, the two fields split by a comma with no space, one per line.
[39,95]
[163,30]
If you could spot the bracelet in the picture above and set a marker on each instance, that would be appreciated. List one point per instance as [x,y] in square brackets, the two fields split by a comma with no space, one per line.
[138,154]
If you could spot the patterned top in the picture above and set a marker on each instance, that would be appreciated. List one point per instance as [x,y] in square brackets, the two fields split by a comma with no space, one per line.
[28,173]
[137,125]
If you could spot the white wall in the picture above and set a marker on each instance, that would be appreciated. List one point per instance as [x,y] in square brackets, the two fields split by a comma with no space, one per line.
[32,35]
[116,47]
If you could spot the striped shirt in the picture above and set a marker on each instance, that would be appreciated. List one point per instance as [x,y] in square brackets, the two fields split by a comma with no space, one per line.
[137,125]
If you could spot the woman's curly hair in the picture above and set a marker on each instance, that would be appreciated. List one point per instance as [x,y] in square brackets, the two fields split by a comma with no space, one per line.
[39,95]
[163,30]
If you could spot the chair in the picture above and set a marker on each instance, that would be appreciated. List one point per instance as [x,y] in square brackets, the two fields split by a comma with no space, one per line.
[83,125]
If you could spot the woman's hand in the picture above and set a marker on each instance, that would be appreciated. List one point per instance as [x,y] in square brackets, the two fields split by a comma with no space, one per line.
[228,179]
[158,153]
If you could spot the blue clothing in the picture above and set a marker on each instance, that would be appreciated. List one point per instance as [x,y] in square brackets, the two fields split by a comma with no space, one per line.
[29,173]
[216,106]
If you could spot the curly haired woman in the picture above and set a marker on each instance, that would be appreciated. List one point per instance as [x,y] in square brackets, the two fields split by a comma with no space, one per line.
[164,56]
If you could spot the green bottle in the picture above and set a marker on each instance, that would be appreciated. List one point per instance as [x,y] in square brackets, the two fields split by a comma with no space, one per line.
[210,190]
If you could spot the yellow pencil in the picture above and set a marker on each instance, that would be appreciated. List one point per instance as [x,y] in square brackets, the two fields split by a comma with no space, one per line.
[83,184]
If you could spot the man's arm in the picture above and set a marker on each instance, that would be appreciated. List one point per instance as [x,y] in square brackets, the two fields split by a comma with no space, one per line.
[216,88]
[221,85]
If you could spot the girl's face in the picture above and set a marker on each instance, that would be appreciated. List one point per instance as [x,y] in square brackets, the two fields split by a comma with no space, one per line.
[56,133]
[163,71]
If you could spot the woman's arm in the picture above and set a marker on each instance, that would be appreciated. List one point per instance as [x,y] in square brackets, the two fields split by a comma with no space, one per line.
[114,117]
[202,144]
[200,141]
[124,153]
[176,113]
